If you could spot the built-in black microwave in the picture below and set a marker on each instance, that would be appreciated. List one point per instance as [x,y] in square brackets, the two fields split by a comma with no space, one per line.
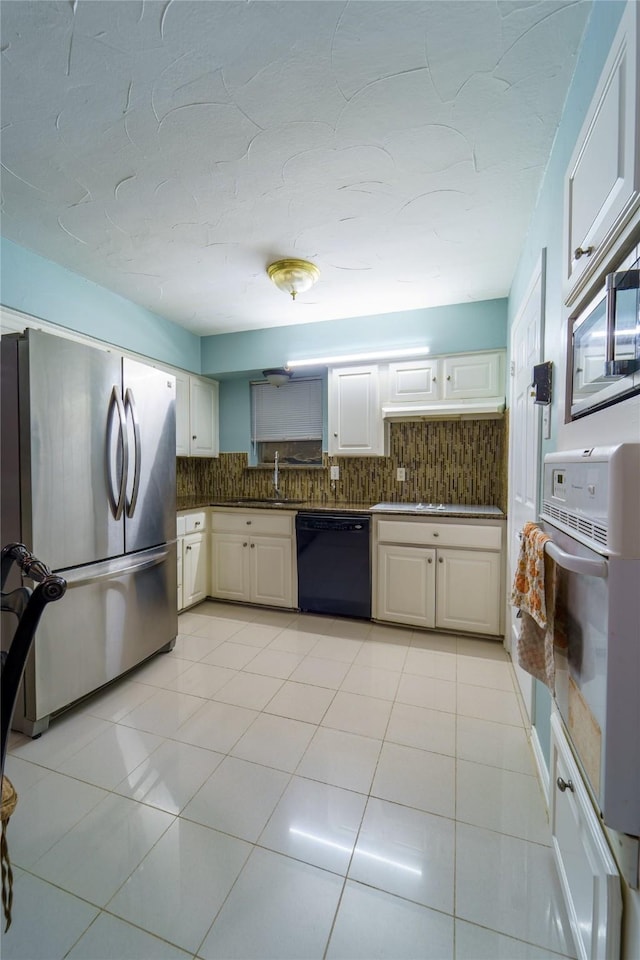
[605,352]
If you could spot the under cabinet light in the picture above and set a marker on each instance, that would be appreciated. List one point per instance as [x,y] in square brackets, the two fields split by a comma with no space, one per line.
[357,357]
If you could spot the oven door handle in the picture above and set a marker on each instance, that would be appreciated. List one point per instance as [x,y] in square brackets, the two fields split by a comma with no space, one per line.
[589,568]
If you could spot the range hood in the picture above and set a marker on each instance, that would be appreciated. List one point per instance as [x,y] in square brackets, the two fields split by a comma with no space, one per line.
[489,408]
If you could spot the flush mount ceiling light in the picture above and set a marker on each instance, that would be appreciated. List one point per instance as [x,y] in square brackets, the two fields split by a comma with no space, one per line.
[293,276]
[277,376]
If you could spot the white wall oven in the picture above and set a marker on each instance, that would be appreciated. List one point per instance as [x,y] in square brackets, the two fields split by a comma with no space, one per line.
[605,343]
[591,510]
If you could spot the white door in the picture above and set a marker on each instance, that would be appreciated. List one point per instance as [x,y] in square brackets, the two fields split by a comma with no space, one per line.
[406,585]
[468,591]
[182,415]
[195,569]
[271,564]
[356,427]
[524,445]
[203,408]
[230,566]
[471,376]
[414,381]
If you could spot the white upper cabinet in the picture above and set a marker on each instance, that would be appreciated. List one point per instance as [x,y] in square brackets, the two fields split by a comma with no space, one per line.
[356,427]
[196,416]
[602,185]
[465,376]
[414,381]
[473,375]
[203,414]
[182,414]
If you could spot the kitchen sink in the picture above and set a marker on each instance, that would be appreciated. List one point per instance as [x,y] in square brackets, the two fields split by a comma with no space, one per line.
[274,501]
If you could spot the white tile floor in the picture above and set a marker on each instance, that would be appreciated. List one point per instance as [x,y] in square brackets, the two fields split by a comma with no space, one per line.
[285,786]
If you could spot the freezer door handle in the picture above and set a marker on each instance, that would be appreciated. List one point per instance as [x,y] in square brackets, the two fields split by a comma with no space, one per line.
[130,404]
[116,404]
[111,569]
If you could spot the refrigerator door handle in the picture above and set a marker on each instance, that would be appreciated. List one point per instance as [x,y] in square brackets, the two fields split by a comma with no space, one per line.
[110,569]
[130,404]
[115,402]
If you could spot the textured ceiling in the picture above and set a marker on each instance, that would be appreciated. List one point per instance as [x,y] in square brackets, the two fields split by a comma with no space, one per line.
[171,150]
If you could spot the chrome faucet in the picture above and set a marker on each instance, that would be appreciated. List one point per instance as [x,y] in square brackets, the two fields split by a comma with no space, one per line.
[276,475]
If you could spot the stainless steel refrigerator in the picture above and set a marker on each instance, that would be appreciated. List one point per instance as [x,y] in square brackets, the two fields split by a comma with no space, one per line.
[89,486]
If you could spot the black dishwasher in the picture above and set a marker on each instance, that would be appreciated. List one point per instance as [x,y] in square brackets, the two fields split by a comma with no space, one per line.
[334,564]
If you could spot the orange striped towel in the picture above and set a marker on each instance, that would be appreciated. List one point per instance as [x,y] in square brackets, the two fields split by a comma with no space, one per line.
[528,591]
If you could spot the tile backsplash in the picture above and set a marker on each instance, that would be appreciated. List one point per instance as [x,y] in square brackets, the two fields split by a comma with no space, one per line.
[446,461]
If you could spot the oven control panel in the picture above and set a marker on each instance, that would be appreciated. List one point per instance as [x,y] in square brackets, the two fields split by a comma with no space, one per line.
[593,495]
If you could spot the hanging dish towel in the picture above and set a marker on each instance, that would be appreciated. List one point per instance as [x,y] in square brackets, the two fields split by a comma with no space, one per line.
[534,593]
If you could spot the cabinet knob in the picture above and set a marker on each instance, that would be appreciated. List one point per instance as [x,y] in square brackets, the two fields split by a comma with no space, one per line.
[440,560]
[563,785]
[244,544]
[583,252]
[197,523]
[188,548]
[248,523]
[430,560]
[194,437]
[434,379]
[252,545]
[436,534]
[335,434]
[449,377]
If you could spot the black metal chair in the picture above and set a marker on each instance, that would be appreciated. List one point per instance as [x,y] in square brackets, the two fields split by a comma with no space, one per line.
[27,605]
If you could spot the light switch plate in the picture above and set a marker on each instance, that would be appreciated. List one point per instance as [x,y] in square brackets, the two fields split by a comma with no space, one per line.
[401,473]
[335,473]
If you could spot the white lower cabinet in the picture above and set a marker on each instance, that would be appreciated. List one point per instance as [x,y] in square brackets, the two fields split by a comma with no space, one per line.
[437,575]
[588,873]
[468,591]
[193,558]
[195,569]
[406,584]
[252,557]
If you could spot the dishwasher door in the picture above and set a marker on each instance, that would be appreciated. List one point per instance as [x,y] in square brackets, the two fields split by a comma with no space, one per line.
[334,564]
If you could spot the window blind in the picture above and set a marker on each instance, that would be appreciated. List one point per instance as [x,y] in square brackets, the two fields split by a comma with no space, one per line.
[290,412]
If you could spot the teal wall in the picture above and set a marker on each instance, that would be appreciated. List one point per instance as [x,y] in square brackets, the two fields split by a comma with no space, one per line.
[545,230]
[43,289]
[235,416]
[450,329]
[237,358]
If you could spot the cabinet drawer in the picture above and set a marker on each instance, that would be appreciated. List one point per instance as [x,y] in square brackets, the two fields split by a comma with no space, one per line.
[253,522]
[485,537]
[195,522]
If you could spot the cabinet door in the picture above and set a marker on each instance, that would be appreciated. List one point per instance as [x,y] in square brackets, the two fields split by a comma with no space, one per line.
[180,551]
[414,381]
[473,375]
[588,873]
[182,414]
[230,566]
[602,186]
[356,427]
[406,581]
[271,561]
[203,407]
[468,591]
[195,569]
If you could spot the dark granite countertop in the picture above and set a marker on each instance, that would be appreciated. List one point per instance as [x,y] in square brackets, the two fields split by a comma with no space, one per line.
[466,511]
